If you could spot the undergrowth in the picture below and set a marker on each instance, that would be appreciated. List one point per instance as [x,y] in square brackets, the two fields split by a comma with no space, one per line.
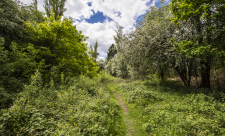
[168,108]
[83,106]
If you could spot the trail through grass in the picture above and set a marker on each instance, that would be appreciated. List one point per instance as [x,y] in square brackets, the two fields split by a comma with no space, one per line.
[132,127]
[128,122]
[169,108]
[108,106]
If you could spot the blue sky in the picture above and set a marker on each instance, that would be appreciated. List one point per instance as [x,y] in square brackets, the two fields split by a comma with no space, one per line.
[97,19]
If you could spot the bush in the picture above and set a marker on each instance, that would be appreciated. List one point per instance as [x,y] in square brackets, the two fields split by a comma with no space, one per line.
[104,77]
[137,93]
[16,66]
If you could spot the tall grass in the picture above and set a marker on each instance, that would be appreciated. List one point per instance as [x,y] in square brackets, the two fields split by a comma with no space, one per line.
[82,107]
[168,108]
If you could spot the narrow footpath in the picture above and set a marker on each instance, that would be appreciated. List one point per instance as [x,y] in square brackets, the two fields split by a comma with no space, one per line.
[128,121]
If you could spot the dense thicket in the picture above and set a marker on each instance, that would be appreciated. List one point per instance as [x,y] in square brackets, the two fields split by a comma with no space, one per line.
[30,41]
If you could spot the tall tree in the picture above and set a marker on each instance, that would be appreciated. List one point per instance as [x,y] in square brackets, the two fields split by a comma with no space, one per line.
[12,15]
[111,52]
[206,16]
[95,52]
[148,47]
[55,6]
[35,4]
[117,66]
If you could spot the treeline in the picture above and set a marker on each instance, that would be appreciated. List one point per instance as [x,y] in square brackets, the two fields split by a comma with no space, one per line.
[183,37]
[31,41]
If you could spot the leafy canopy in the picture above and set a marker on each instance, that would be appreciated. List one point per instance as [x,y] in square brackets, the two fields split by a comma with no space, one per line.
[61,44]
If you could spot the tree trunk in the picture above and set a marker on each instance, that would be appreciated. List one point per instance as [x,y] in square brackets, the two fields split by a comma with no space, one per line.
[189,74]
[196,73]
[182,74]
[205,74]
[161,73]
[206,64]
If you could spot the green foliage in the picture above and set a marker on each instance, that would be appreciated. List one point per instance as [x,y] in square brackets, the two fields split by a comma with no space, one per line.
[188,44]
[13,13]
[28,42]
[185,9]
[138,94]
[111,52]
[104,77]
[56,7]
[192,49]
[118,65]
[168,108]
[94,52]
[101,64]
[195,115]
[85,107]
[16,68]
[205,27]
[61,44]
[17,59]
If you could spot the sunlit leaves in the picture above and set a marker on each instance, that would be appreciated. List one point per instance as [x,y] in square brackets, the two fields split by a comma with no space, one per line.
[84,107]
[66,45]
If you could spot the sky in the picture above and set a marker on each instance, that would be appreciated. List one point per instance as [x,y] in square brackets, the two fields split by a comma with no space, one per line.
[97,19]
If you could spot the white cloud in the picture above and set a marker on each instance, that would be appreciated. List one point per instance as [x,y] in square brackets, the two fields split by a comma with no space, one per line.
[100,32]
[78,9]
[40,4]
[103,32]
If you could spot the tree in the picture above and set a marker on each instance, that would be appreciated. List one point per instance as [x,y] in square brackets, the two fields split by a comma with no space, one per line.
[148,47]
[35,4]
[111,52]
[95,52]
[62,45]
[11,25]
[206,17]
[12,16]
[101,64]
[117,66]
[55,6]
[118,38]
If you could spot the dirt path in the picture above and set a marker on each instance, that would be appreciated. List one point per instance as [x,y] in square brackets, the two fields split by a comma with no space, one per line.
[129,123]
